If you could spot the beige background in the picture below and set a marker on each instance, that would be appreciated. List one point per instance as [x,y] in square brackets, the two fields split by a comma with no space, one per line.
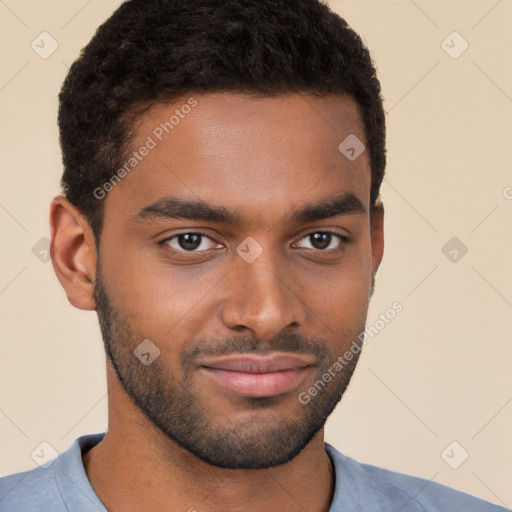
[439,372]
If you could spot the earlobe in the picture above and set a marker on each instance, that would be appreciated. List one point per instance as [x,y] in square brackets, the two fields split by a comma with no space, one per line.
[377,234]
[73,253]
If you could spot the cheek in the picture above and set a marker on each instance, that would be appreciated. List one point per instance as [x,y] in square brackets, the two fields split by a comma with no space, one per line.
[161,300]
[133,285]
[341,300]
[344,305]
[342,287]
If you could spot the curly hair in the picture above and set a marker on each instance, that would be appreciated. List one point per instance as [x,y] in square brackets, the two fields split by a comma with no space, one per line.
[152,51]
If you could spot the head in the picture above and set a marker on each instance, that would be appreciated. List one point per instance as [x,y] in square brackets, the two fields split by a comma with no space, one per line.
[222,167]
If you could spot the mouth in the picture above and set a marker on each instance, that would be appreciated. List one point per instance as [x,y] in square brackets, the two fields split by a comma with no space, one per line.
[258,376]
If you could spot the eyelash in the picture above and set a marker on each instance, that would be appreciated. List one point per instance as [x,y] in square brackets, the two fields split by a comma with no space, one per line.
[345,240]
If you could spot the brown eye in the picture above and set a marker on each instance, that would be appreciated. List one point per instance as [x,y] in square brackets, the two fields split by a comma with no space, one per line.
[189,242]
[325,240]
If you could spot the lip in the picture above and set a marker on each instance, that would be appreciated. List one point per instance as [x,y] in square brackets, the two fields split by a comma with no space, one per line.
[258,376]
[259,364]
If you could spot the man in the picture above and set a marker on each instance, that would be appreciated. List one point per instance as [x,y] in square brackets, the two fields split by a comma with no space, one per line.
[223,162]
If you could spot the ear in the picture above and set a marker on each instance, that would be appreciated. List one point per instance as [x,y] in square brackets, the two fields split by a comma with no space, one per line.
[377,234]
[73,252]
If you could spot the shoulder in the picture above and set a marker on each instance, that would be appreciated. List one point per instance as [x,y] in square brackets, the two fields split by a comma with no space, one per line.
[382,489]
[35,489]
[59,485]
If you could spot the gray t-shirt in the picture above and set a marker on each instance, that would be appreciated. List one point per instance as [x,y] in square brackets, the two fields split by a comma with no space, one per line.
[63,486]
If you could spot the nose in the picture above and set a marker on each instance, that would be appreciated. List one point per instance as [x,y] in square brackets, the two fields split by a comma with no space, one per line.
[262,298]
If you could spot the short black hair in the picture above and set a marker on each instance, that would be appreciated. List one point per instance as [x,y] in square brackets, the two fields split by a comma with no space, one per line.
[152,51]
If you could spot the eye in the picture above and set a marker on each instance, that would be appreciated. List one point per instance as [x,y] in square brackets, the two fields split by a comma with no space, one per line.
[325,240]
[195,241]
[191,241]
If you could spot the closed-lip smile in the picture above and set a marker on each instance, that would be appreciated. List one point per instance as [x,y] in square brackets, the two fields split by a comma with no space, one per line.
[258,376]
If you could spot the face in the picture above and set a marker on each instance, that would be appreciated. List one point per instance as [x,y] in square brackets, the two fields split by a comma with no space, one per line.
[244,230]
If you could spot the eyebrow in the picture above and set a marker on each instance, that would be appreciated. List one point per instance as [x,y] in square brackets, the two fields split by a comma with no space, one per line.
[172,207]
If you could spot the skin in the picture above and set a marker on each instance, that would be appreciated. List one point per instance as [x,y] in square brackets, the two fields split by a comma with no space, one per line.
[193,444]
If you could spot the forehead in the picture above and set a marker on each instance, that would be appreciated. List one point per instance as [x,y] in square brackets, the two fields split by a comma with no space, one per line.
[248,153]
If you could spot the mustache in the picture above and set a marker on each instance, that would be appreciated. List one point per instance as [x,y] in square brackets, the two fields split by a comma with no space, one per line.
[249,345]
